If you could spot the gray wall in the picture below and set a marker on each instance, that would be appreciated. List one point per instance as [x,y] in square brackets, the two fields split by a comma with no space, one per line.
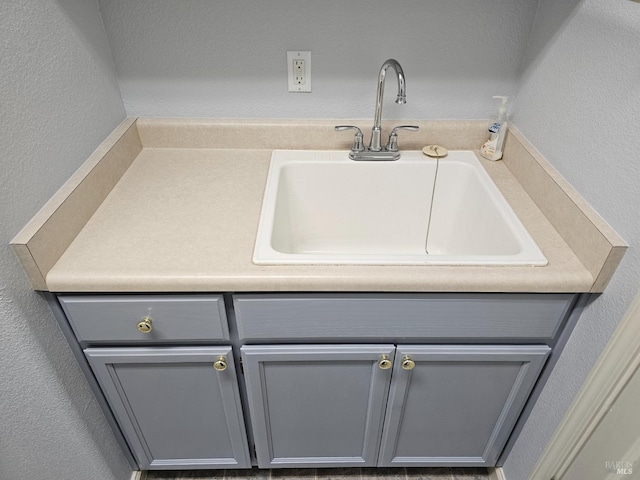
[228,59]
[579,104]
[60,98]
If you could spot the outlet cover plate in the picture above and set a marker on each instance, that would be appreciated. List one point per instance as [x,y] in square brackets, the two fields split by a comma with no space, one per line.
[295,85]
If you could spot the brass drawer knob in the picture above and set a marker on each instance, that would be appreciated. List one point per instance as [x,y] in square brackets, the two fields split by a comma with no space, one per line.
[385,362]
[145,325]
[408,363]
[220,364]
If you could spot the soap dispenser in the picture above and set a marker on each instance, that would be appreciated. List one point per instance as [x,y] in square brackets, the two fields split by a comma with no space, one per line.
[492,148]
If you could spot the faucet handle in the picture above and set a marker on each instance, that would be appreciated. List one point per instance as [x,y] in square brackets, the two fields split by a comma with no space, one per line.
[392,145]
[358,143]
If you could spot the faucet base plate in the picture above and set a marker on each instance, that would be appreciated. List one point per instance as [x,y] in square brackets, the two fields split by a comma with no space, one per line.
[367,156]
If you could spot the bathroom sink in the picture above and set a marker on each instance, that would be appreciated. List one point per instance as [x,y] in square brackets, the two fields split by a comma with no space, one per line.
[320,207]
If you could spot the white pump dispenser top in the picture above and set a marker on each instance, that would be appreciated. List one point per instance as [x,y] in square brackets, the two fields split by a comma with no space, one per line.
[502,109]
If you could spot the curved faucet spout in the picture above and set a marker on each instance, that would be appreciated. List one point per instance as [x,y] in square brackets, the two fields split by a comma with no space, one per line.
[374,144]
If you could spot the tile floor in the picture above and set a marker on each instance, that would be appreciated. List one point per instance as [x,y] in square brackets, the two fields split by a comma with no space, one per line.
[325,474]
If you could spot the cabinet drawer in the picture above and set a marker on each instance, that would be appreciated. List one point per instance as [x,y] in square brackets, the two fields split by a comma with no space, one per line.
[113,319]
[322,317]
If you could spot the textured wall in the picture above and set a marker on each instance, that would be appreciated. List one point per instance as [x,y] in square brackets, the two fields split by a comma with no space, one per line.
[60,98]
[227,59]
[579,104]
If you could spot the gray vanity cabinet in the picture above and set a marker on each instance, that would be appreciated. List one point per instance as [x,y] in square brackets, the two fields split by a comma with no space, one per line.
[455,405]
[332,379]
[175,409]
[317,405]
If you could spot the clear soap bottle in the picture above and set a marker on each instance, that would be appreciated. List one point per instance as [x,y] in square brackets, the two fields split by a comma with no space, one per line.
[492,148]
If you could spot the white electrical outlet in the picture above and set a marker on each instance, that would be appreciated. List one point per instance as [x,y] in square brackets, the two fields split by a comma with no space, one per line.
[299,71]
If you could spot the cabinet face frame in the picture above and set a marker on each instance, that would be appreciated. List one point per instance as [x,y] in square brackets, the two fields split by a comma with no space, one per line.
[105,362]
[528,360]
[257,359]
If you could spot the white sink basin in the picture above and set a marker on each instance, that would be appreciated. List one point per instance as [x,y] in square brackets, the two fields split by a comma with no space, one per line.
[320,207]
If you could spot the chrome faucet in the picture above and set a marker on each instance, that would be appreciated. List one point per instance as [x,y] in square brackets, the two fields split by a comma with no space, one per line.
[375,150]
[374,144]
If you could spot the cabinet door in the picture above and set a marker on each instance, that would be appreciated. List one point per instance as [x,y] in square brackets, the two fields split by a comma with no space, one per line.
[174,408]
[458,405]
[315,405]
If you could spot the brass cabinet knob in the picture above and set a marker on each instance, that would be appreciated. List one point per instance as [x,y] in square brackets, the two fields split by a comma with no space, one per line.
[385,362]
[408,363]
[145,325]
[220,364]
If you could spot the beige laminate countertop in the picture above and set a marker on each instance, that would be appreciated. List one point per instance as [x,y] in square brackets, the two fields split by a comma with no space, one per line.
[173,205]
[186,220]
